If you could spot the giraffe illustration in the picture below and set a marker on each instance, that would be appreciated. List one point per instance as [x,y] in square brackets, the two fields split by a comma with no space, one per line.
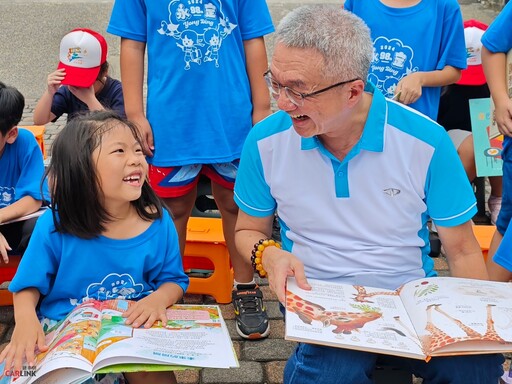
[344,322]
[362,296]
[439,338]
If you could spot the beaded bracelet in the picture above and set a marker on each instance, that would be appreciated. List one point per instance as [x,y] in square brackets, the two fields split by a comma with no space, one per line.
[257,254]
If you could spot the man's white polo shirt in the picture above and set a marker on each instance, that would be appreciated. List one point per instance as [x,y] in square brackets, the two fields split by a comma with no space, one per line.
[362,220]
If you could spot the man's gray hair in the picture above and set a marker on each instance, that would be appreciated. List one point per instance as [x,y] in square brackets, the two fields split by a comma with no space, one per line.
[342,38]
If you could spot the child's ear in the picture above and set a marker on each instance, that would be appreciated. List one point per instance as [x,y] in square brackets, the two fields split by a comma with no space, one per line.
[12,135]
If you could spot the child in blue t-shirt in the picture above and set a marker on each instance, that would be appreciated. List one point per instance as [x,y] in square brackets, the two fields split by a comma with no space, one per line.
[21,173]
[205,90]
[497,41]
[418,48]
[104,214]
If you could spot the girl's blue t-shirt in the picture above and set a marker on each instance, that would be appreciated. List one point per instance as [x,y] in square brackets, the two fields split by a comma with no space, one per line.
[68,270]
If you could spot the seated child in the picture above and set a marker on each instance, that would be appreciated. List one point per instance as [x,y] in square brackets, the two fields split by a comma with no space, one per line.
[104,214]
[22,169]
[81,82]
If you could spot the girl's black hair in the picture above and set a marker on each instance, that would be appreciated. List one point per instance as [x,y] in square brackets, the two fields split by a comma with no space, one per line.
[75,189]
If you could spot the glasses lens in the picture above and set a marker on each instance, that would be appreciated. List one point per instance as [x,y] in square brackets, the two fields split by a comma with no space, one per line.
[272,85]
[294,96]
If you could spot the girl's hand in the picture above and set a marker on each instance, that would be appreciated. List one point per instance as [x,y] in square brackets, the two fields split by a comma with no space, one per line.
[28,334]
[147,310]
[55,80]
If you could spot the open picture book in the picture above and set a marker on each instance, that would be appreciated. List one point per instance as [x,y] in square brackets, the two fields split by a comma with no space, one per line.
[438,316]
[94,339]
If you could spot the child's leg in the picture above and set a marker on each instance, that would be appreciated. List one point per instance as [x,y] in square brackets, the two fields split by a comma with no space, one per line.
[250,314]
[229,212]
[150,377]
[181,209]
[177,186]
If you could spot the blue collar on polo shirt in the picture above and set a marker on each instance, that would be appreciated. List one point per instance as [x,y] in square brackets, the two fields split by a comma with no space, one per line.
[372,140]
[373,131]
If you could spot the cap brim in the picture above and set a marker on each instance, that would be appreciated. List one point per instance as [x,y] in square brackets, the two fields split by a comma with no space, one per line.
[472,75]
[79,77]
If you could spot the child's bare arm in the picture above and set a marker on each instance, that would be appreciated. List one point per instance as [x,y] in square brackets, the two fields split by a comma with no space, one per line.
[20,208]
[410,87]
[257,65]
[132,77]
[43,111]
[153,307]
[494,65]
[28,333]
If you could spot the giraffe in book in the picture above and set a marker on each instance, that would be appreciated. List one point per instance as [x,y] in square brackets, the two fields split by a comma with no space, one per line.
[344,322]
[440,339]
[362,296]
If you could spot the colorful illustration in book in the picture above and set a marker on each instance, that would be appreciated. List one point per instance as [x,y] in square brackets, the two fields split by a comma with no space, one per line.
[425,288]
[438,338]
[112,331]
[76,337]
[362,295]
[344,322]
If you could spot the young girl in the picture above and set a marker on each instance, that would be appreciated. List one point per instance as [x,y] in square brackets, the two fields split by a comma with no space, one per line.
[107,236]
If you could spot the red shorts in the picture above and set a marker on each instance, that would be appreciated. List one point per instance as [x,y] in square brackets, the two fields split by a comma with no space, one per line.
[178,181]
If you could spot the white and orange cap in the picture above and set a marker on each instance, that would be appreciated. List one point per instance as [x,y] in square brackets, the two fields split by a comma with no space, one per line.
[82,52]
[474,73]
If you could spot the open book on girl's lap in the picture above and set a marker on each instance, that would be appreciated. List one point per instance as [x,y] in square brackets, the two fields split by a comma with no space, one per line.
[436,316]
[94,339]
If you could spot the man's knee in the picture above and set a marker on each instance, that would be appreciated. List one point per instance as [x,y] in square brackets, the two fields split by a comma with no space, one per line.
[326,365]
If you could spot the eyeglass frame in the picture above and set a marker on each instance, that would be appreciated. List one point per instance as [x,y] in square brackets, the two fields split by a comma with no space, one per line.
[303,96]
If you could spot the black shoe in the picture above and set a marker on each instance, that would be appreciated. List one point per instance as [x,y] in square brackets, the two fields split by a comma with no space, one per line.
[250,314]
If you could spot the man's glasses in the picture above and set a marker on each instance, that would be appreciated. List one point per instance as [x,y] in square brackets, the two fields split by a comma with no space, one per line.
[296,97]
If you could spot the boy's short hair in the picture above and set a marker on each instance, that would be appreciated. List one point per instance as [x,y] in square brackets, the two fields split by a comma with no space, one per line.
[12,103]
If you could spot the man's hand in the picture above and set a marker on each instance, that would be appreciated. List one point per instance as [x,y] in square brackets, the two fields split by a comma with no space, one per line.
[4,247]
[279,265]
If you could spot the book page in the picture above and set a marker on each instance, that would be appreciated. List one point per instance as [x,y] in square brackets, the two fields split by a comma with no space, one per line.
[454,315]
[348,316]
[72,344]
[194,336]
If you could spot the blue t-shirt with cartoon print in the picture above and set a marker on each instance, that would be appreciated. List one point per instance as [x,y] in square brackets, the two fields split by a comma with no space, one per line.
[67,270]
[21,170]
[199,97]
[425,37]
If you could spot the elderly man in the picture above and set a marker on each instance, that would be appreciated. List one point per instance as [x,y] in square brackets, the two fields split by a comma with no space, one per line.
[354,178]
